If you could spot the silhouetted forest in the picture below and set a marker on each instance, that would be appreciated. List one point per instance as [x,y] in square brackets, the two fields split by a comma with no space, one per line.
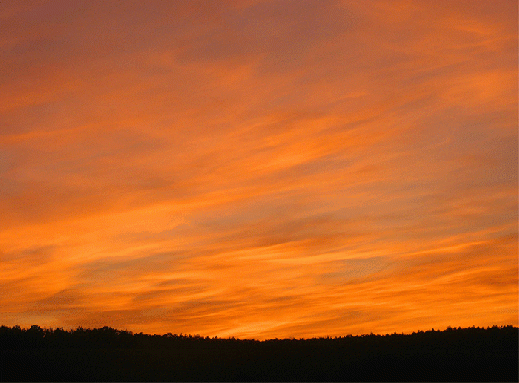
[107,354]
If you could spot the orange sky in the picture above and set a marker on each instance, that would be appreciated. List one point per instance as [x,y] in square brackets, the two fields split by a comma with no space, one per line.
[258,168]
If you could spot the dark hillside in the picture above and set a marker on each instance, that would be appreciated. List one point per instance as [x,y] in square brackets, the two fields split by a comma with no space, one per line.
[107,354]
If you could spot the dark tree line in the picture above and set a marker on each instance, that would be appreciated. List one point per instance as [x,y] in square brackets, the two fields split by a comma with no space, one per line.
[108,354]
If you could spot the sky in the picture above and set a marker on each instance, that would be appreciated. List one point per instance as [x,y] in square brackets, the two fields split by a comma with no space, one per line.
[259,169]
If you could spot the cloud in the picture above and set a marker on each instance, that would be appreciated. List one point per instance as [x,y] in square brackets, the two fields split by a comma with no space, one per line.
[259,168]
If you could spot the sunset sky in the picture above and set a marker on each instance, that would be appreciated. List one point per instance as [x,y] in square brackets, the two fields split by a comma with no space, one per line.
[259,169]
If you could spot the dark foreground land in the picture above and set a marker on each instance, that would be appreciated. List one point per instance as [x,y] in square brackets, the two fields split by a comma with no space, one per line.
[106,354]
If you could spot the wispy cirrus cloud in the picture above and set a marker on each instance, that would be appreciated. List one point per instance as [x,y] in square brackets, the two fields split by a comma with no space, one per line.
[259,169]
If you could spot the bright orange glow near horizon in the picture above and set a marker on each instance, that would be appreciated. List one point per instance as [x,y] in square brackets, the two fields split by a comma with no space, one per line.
[259,169]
